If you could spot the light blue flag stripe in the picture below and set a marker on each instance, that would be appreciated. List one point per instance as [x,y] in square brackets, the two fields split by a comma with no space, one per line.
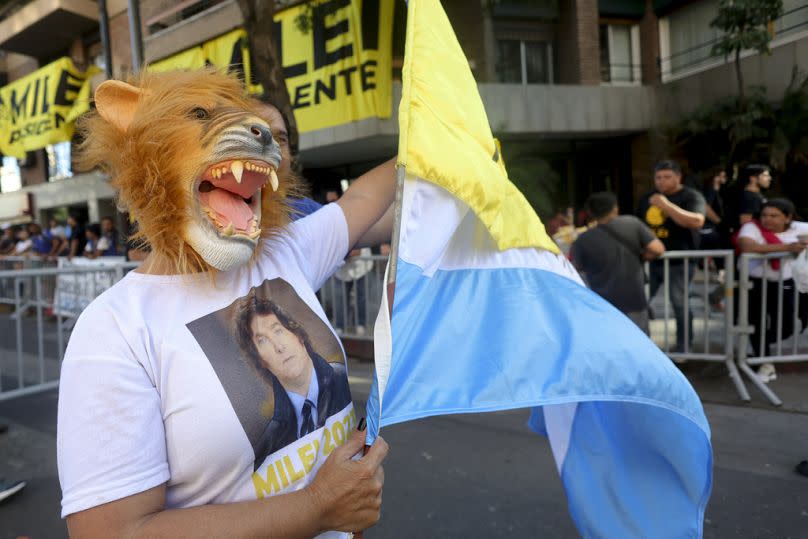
[473,340]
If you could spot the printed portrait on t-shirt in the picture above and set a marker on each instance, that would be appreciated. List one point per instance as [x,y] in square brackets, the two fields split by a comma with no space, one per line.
[284,372]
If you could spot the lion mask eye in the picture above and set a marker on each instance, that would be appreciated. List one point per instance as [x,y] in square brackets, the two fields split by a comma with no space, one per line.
[200,113]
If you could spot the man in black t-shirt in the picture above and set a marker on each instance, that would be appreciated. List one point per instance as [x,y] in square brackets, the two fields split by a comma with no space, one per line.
[751,199]
[675,214]
[611,257]
[77,238]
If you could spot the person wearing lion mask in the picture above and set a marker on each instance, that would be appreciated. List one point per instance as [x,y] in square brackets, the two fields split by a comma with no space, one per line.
[148,443]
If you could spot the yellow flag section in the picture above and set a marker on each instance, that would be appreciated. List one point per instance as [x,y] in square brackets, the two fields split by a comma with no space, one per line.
[444,136]
[41,108]
[340,70]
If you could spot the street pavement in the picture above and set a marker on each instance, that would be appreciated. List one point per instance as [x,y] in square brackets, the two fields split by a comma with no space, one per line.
[486,475]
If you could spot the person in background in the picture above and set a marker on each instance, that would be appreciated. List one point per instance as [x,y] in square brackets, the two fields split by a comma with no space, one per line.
[40,244]
[9,240]
[57,234]
[92,234]
[777,231]
[559,220]
[108,242]
[134,250]
[757,178]
[714,233]
[611,255]
[77,238]
[279,126]
[24,243]
[675,213]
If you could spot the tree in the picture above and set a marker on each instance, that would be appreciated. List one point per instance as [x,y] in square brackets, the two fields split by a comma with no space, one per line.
[746,25]
[265,58]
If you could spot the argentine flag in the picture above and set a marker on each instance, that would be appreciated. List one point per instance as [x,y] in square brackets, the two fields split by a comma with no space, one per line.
[487,315]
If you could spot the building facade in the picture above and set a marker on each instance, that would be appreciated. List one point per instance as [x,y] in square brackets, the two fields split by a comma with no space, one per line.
[576,90]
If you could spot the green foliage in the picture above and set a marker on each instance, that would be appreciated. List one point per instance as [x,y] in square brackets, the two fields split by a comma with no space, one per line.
[727,127]
[745,25]
[790,137]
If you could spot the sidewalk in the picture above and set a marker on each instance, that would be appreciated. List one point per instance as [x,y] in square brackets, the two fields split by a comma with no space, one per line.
[714,386]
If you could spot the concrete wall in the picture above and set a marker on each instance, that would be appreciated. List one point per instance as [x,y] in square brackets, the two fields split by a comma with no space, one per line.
[568,110]
[682,96]
[81,189]
[213,22]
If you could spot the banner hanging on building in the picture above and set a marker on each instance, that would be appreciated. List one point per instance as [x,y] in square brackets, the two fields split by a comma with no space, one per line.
[340,69]
[337,71]
[41,108]
[229,50]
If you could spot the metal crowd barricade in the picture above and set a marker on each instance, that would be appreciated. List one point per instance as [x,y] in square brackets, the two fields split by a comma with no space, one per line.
[26,289]
[782,353]
[33,338]
[711,323]
[352,305]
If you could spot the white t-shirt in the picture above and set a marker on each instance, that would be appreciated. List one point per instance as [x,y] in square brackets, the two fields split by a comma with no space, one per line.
[790,235]
[154,390]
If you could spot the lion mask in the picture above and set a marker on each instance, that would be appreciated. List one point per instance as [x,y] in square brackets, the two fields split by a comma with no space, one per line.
[191,162]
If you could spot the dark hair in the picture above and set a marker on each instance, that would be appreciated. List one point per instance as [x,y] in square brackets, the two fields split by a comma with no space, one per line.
[710,174]
[668,164]
[247,309]
[95,228]
[782,204]
[600,204]
[751,171]
[264,99]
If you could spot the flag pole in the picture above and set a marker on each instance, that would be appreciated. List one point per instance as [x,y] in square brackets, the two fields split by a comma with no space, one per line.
[392,261]
[401,172]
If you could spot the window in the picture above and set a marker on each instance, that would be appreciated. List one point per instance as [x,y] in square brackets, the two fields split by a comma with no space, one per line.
[59,166]
[620,53]
[10,179]
[525,62]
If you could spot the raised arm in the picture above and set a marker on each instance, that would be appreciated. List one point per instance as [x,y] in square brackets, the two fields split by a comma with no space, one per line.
[680,216]
[367,201]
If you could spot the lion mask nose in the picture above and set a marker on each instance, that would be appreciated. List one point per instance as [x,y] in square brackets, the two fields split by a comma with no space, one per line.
[262,133]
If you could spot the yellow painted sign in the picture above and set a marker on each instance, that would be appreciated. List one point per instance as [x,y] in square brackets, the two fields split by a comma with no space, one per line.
[340,70]
[41,108]
[229,50]
[337,71]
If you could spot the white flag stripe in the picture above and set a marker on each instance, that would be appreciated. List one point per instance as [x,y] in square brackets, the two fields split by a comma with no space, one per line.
[446,235]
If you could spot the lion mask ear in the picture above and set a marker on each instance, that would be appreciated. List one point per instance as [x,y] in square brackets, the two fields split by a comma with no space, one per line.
[116,102]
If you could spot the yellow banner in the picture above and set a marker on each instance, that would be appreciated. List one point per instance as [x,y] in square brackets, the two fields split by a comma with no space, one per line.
[340,70]
[41,108]
[229,50]
[337,71]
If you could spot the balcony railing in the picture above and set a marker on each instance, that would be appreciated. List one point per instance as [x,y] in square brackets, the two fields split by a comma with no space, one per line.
[178,13]
[617,73]
[690,59]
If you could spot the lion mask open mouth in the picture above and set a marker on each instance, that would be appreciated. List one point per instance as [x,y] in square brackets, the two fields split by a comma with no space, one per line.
[229,195]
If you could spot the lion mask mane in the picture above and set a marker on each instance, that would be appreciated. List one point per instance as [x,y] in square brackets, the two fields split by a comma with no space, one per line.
[192,163]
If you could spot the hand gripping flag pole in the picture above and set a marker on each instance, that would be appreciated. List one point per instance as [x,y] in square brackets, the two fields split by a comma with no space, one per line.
[388,295]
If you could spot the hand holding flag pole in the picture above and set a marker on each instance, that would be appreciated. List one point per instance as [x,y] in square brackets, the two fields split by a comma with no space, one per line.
[387,301]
